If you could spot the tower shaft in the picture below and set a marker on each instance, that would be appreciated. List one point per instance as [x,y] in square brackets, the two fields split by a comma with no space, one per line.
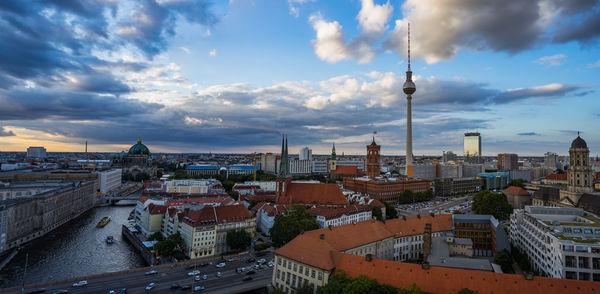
[409,154]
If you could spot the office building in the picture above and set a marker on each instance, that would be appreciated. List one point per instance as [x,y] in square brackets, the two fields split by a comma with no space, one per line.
[517,197]
[551,160]
[241,169]
[320,167]
[109,180]
[301,167]
[495,181]
[508,161]
[306,154]
[202,169]
[472,148]
[561,242]
[485,231]
[456,186]
[334,217]
[385,189]
[449,156]
[36,152]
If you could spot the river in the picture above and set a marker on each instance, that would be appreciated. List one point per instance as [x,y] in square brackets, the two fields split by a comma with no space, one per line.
[76,249]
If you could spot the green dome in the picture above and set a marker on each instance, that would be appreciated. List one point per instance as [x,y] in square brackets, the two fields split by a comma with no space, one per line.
[139,148]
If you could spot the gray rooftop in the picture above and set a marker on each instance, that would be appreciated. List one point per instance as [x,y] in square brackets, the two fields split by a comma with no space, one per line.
[439,256]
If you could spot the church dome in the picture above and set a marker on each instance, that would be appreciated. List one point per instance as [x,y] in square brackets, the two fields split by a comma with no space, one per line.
[579,143]
[139,148]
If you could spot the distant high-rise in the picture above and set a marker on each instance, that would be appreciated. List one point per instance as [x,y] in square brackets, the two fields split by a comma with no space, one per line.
[36,152]
[305,153]
[551,160]
[508,161]
[409,88]
[448,156]
[373,168]
[472,146]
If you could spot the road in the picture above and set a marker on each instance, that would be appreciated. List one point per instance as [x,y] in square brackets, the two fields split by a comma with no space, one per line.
[135,282]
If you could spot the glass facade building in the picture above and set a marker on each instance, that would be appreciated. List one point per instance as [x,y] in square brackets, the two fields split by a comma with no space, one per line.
[472,147]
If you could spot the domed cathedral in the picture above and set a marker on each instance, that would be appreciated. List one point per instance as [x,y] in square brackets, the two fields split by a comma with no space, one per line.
[136,163]
[580,176]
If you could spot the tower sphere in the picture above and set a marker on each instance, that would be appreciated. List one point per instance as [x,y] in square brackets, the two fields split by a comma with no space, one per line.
[409,87]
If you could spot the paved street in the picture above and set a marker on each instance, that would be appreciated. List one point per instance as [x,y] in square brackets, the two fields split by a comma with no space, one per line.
[135,282]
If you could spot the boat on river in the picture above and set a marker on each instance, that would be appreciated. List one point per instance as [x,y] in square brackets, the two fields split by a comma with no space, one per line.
[103,222]
[110,239]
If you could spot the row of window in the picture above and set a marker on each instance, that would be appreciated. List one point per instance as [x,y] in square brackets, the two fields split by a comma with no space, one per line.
[301,270]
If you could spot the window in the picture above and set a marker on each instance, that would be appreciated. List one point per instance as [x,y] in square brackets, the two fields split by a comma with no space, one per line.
[290,265]
[278,274]
[279,260]
[284,263]
[320,276]
[312,274]
[295,267]
[300,271]
[306,272]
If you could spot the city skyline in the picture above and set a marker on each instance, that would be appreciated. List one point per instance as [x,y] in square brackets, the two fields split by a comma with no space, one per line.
[230,76]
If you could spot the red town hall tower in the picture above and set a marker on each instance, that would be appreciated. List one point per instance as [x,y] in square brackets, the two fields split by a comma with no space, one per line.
[373,169]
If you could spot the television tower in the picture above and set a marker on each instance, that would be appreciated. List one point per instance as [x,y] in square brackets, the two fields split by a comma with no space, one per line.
[409,88]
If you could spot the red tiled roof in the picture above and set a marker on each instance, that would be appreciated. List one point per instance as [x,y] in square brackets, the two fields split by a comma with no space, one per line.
[273,209]
[313,193]
[516,191]
[345,170]
[557,177]
[309,248]
[156,209]
[232,213]
[451,280]
[416,226]
[377,203]
[330,212]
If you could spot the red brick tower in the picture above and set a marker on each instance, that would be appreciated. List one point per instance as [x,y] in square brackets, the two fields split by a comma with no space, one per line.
[373,169]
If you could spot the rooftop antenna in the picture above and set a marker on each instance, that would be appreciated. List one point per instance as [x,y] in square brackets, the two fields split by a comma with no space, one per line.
[408,46]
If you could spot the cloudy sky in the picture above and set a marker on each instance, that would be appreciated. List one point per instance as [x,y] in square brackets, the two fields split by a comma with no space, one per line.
[230,76]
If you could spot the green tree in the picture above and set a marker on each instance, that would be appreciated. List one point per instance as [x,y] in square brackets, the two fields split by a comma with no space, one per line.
[504,259]
[517,183]
[390,211]
[169,246]
[290,225]
[304,289]
[234,194]
[414,289]
[277,291]
[342,284]
[238,239]
[377,213]
[466,291]
[486,202]
[156,237]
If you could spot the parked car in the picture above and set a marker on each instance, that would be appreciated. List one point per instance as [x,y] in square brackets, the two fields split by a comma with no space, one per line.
[80,283]
[220,264]
[204,277]
[150,286]
[261,261]
[197,278]
[251,260]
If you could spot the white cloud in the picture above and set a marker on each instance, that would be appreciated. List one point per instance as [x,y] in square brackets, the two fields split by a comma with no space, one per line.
[554,60]
[373,17]
[184,49]
[330,44]
[295,6]
[213,52]
[594,65]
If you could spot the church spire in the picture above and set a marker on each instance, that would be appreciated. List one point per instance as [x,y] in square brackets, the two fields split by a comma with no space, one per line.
[333,156]
[284,165]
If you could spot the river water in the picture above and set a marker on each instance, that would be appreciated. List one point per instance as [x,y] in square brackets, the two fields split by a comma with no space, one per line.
[76,249]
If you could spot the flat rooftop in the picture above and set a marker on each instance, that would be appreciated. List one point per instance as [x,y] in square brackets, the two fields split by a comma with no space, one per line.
[439,257]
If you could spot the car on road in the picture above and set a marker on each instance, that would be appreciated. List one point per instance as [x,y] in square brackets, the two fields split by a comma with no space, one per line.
[175,286]
[150,286]
[250,272]
[59,292]
[80,283]
[270,264]
[199,288]
[152,272]
[185,287]
[240,269]
[111,292]
[197,278]
[123,291]
[204,277]
[220,264]
[193,273]
[231,259]
[261,261]
[218,274]
[247,278]
[38,290]
[251,260]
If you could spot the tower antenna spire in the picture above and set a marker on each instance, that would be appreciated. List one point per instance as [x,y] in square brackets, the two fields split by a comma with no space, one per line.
[408,46]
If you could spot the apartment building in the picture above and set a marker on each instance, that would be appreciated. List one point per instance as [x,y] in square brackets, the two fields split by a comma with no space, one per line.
[561,242]
[334,217]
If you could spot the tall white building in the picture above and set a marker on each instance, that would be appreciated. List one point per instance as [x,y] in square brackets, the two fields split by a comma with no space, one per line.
[306,154]
[36,152]
[561,242]
[109,180]
[303,167]
[551,160]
